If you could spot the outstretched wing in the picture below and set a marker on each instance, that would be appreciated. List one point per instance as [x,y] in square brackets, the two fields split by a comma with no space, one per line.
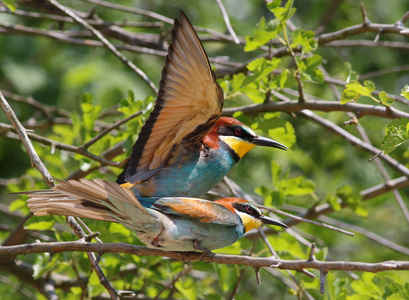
[203,210]
[189,102]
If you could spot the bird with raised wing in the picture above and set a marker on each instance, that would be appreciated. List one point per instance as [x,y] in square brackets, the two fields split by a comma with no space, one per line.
[168,223]
[185,147]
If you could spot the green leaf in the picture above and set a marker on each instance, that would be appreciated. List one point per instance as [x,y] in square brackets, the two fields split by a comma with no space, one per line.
[10,4]
[385,99]
[187,287]
[41,225]
[279,81]
[396,133]
[260,68]
[284,187]
[283,14]
[17,204]
[352,199]
[366,286]
[284,132]
[271,198]
[309,68]
[43,264]
[305,39]
[256,94]
[297,186]
[262,34]
[244,296]
[333,202]
[354,90]
[405,91]
[276,172]
[350,75]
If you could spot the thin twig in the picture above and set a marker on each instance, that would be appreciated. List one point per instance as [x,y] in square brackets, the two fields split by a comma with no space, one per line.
[46,109]
[227,21]
[318,105]
[109,129]
[62,37]
[150,14]
[57,145]
[365,138]
[177,277]
[22,133]
[95,32]
[114,293]
[291,276]
[58,18]
[368,234]
[364,15]
[277,211]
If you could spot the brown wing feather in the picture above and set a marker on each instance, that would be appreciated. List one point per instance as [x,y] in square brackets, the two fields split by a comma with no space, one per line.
[203,210]
[188,98]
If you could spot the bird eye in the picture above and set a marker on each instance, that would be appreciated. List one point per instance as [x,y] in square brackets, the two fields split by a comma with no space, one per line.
[237,131]
[249,209]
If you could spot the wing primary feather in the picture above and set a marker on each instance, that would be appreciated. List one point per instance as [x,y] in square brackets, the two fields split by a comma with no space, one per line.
[188,100]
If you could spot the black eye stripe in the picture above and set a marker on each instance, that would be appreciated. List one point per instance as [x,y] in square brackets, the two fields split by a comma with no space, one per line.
[248,209]
[234,131]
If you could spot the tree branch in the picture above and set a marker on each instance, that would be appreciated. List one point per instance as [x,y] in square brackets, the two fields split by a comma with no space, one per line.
[259,262]
[294,106]
[58,145]
[21,131]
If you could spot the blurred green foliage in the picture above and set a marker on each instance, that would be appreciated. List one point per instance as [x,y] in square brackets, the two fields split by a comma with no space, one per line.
[96,90]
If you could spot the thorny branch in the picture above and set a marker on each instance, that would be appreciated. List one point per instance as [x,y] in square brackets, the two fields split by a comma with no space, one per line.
[255,262]
[154,44]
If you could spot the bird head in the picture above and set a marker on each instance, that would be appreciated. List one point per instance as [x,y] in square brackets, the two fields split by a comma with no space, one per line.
[240,138]
[249,214]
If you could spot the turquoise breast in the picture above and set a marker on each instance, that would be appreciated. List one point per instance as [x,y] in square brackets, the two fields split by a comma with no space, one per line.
[188,173]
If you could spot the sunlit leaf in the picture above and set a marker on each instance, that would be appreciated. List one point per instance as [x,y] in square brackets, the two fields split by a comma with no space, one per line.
[385,99]
[305,39]
[10,4]
[262,34]
[283,14]
[349,74]
[40,225]
[354,90]
[405,91]
[396,133]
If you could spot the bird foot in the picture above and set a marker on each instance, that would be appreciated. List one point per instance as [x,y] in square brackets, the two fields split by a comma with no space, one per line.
[197,246]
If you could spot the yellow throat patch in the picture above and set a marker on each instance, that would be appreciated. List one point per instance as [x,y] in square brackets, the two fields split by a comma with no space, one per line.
[239,146]
[249,222]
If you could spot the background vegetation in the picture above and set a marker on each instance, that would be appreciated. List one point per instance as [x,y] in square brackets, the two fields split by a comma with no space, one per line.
[326,78]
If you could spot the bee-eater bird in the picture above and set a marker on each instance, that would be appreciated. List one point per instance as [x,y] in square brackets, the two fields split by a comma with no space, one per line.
[169,223]
[185,148]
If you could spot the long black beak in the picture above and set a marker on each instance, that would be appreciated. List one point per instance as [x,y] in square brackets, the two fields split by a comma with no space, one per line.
[262,141]
[270,221]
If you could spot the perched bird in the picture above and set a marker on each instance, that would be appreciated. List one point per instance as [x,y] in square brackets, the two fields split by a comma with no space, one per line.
[169,223]
[185,148]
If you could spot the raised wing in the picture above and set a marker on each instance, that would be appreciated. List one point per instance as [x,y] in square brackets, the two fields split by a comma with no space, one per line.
[203,210]
[188,104]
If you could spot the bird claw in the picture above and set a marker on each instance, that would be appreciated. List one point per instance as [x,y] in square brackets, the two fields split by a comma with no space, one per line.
[205,251]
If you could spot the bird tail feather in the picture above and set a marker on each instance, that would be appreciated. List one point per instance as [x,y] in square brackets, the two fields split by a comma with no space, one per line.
[94,199]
